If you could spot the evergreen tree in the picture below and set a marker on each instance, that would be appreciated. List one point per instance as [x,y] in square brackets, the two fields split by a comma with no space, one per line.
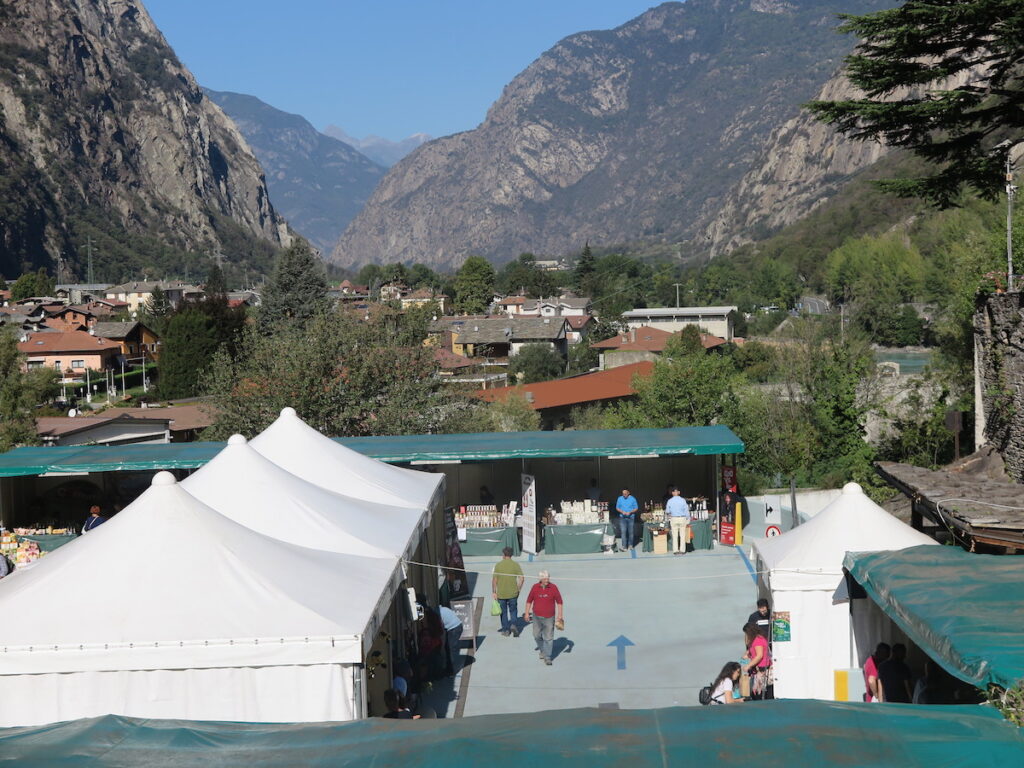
[524,274]
[908,63]
[157,311]
[24,287]
[585,272]
[297,289]
[188,346]
[369,275]
[45,285]
[474,286]
[3,283]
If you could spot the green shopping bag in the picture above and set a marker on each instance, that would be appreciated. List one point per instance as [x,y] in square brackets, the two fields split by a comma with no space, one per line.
[495,608]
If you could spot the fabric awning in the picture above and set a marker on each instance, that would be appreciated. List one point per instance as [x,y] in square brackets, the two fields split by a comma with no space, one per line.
[697,441]
[964,610]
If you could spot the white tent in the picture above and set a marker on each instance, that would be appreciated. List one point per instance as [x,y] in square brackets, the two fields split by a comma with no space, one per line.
[802,570]
[292,444]
[171,610]
[254,491]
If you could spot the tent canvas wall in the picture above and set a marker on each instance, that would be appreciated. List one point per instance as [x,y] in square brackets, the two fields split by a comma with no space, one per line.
[802,569]
[302,451]
[172,610]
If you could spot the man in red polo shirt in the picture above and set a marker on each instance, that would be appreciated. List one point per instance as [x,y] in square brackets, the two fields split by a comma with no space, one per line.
[544,604]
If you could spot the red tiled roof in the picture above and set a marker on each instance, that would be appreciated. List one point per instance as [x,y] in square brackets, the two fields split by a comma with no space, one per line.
[68,341]
[577,321]
[650,339]
[576,390]
[509,300]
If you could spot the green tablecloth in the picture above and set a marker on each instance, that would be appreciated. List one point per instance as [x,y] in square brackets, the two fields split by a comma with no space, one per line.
[48,541]
[489,541]
[702,538]
[574,539]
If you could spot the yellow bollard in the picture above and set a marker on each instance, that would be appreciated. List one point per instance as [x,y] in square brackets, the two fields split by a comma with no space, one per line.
[739,523]
[842,689]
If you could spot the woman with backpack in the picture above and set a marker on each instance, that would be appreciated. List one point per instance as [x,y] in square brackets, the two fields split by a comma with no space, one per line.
[722,688]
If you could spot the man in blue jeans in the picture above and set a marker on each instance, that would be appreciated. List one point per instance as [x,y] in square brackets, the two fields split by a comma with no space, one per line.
[626,506]
[506,582]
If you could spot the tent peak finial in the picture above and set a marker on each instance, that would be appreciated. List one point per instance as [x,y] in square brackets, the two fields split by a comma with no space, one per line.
[164,478]
[289,411]
[852,488]
[237,440]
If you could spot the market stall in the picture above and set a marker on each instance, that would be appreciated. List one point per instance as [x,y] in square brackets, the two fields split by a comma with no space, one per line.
[171,610]
[483,529]
[800,572]
[656,527]
[575,539]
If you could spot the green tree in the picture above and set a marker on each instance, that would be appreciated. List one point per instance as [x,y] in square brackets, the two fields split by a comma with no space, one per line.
[394,273]
[24,287]
[157,311]
[919,435]
[908,64]
[297,289]
[188,347]
[3,283]
[685,342]
[523,274]
[422,276]
[474,285]
[513,414]
[20,392]
[343,376]
[582,358]
[585,272]
[535,362]
[370,275]
[45,285]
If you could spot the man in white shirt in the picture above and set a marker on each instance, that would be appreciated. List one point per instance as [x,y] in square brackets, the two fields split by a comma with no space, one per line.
[453,636]
[679,518]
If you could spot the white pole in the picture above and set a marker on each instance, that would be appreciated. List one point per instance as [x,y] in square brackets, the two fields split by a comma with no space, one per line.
[88,386]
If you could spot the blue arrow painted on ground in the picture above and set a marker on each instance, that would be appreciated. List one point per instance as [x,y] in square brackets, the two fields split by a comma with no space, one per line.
[620,644]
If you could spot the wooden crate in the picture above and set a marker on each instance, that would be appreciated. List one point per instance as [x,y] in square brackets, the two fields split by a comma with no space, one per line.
[660,541]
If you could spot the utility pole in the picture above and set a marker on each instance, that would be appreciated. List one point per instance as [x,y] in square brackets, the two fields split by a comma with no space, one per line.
[677,285]
[88,252]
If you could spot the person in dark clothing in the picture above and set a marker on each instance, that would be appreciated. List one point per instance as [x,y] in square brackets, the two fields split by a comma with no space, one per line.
[396,709]
[895,676]
[94,520]
[762,619]
[486,497]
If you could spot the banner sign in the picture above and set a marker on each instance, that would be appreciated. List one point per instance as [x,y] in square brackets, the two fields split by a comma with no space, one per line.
[529,514]
[780,626]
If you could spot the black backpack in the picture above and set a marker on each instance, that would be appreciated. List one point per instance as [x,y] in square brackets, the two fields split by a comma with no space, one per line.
[10,566]
[704,696]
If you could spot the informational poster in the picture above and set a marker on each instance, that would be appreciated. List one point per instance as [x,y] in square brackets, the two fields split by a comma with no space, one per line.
[529,514]
[728,477]
[453,564]
[780,627]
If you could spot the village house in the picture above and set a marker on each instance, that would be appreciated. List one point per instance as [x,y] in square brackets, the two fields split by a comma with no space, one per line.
[424,296]
[112,428]
[713,320]
[501,337]
[563,306]
[136,294]
[393,291]
[71,318]
[81,293]
[643,343]
[511,305]
[135,339]
[70,352]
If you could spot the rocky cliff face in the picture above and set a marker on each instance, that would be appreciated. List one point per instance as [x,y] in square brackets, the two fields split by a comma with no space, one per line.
[805,162]
[634,134]
[106,136]
[317,182]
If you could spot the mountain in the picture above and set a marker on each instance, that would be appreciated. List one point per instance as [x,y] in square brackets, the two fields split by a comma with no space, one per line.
[382,151]
[317,182]
[107,142]
[634,135]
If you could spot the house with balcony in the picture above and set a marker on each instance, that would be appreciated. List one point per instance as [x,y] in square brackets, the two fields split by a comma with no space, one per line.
[70,352]
[134,338]
[137,293]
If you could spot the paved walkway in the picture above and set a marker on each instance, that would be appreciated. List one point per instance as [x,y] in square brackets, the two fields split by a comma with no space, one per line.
[683,614]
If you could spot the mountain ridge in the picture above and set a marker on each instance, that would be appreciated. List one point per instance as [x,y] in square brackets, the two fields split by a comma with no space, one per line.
[635,134]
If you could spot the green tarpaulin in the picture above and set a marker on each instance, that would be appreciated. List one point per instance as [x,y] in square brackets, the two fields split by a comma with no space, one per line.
[575,539]
[780,734]
[489,541]
[964,610]
[698,441]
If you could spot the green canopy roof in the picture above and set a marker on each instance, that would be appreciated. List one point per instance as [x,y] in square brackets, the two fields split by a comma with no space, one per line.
[398,449]
[964,610]
[780,734]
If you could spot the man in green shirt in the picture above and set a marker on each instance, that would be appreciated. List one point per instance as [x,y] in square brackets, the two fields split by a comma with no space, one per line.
[506,582]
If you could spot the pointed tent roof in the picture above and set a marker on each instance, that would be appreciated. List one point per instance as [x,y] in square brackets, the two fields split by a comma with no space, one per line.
[810,557]
[252,490]
[294,445]
[169,583]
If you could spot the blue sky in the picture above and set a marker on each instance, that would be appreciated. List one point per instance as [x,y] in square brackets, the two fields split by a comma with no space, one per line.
[390,67]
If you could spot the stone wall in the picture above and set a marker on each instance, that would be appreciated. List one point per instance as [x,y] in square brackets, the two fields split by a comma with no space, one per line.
[999,377]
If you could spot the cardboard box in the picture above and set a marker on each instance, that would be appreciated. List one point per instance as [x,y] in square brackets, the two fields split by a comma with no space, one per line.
[660,543]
